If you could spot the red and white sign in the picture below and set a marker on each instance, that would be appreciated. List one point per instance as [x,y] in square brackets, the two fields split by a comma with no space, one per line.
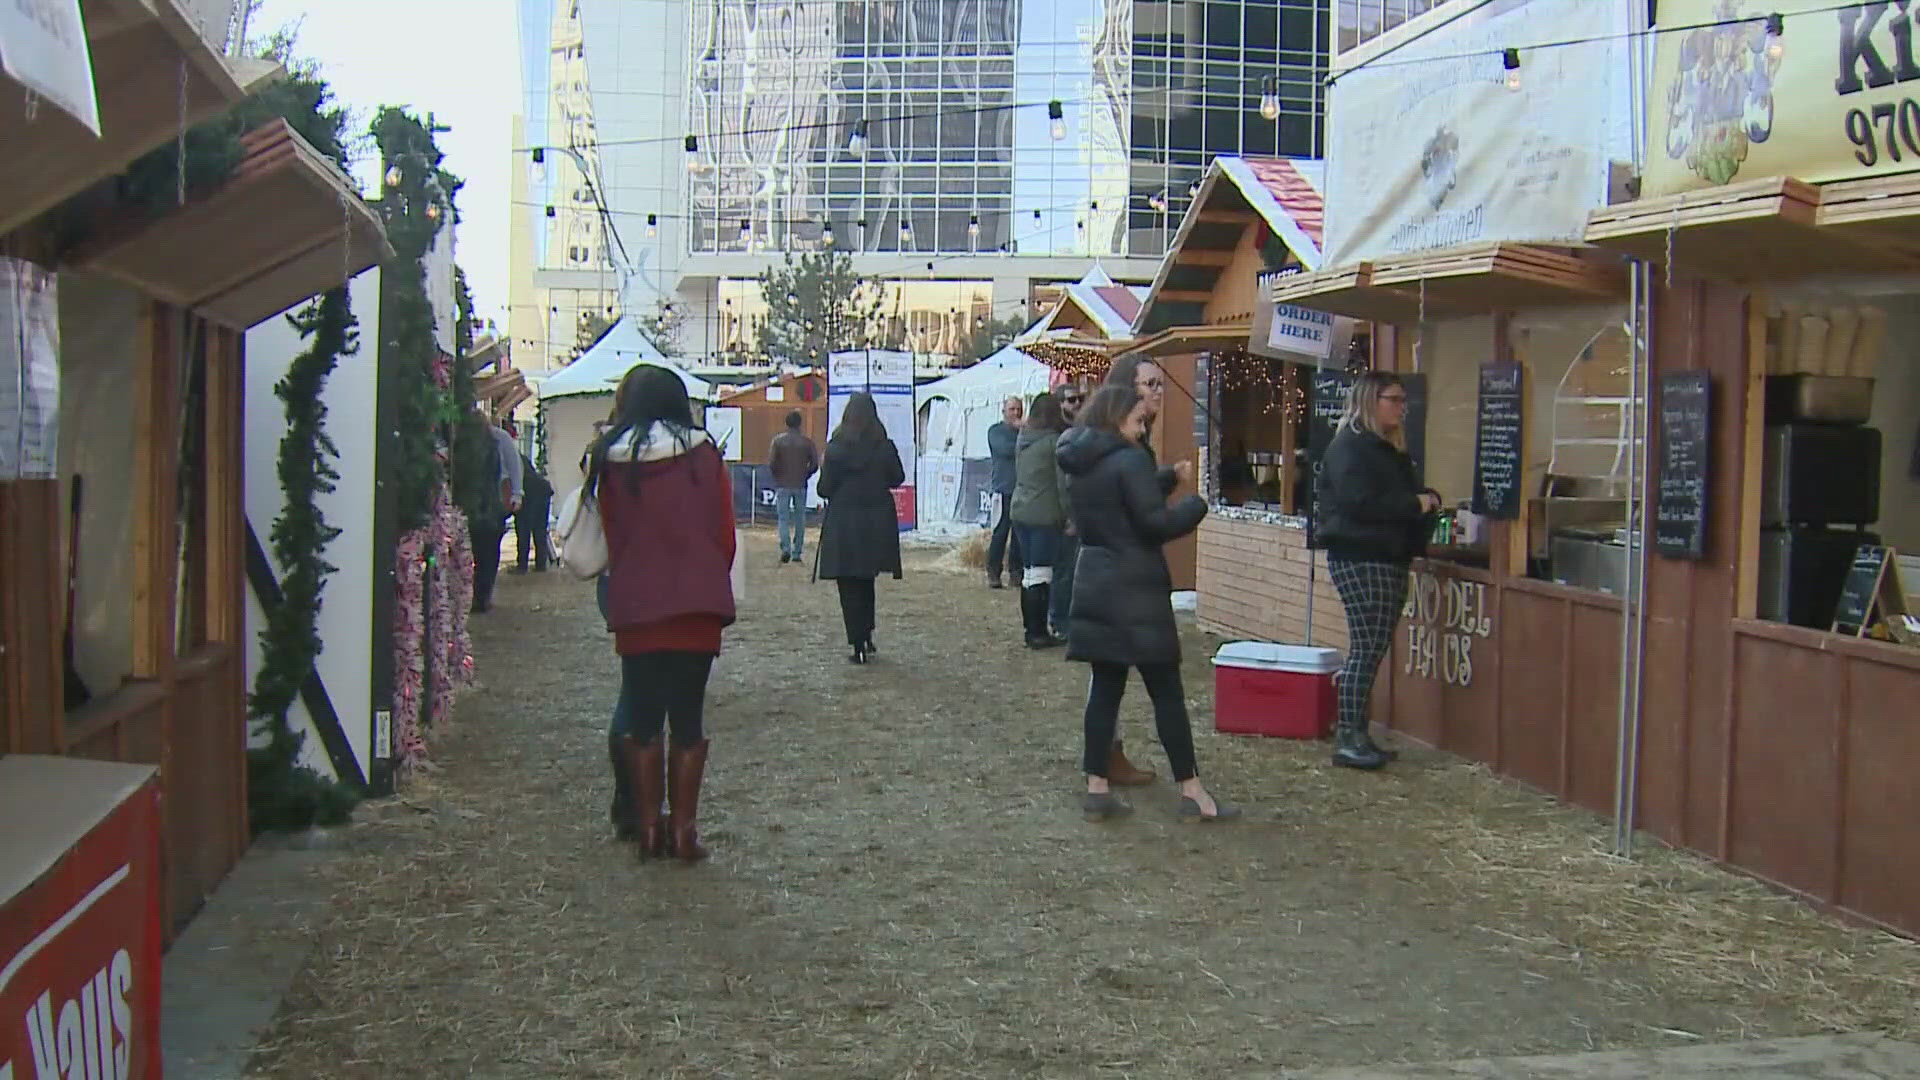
[79,920]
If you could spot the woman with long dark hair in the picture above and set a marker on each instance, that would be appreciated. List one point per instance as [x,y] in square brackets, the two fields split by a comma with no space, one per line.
[667,507]
[1373,519]
[1122,614]
[860,535]
[1039,515]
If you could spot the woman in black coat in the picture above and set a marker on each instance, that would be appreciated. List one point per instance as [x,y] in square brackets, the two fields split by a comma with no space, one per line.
[1373,518]
[860,536]
[1122,614]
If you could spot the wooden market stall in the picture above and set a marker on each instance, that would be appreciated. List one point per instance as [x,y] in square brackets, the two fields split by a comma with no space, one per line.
[151,368]
[1233,412]
[764,408]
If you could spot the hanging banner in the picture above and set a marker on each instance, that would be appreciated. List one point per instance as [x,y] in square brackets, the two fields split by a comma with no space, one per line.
[29,371]
[43,47]
[1836,96]
[1438,145]
[888,376]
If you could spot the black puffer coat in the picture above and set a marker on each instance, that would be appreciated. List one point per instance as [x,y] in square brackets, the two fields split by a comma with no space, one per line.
[1122,590]
[1367,501]
[860,536]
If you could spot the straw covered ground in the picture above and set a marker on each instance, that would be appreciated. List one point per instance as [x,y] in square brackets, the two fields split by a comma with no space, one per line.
[903,887]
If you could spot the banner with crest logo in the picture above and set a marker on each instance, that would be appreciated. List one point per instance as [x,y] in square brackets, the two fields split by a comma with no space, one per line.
[1436,144]
[1834,96]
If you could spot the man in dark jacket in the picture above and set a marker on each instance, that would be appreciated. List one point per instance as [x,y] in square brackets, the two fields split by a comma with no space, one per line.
[1003,443]
[530,521]
[793,460]
[1072,396]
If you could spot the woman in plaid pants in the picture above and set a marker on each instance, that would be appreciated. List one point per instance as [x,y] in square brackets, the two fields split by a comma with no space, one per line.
[1374,518]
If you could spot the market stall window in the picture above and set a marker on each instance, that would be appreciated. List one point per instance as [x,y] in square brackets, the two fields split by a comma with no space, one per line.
[1257,442]
[1442,363]
[1578,439]
[1839,466]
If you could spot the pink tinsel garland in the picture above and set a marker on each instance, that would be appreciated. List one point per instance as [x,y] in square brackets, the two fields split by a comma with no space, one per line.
[434,586]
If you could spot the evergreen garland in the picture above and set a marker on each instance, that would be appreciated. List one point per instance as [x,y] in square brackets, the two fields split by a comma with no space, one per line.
[415,208]
[476,488]
[283,794]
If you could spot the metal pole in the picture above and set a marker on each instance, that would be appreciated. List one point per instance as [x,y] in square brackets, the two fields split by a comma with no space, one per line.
[1633,614]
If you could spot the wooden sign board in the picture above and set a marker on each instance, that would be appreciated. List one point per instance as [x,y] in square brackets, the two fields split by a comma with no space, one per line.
[1497,464]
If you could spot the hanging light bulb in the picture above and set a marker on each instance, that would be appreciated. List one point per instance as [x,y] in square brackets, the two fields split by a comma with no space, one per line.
[433,211]
[394,177]
[746,231]
[539,164]
[792,297]
[1269,98]
[1057,117]
[1193,190]
[826,235]
[693,153]
[1510,59]
[653,226]
[1158,201]
[1036,215]
[857,142]
[929,271]
[973,226]
[551,212]
[1776,26]
[906,233]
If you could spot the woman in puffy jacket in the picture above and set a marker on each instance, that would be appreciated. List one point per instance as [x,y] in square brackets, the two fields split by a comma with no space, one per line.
[1039,515]
[667,508]
[1373,518]
[1122,614]
[860,535]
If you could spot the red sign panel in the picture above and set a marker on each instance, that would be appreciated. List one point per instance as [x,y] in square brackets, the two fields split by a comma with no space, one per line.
[80,985]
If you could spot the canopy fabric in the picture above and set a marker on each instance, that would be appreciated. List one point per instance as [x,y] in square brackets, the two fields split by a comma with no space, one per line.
[600,369]
[961,407]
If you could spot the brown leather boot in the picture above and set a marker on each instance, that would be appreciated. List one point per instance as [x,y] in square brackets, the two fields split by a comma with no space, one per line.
[1123,772]
[647,766]
[686,766]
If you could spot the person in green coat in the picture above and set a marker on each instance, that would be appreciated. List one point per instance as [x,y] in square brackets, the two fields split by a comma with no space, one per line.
[1039,515]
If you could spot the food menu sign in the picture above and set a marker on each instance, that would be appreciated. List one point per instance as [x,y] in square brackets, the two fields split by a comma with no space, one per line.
[1835,96]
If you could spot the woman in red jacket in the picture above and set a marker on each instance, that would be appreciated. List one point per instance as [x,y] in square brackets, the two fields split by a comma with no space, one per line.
[667,506]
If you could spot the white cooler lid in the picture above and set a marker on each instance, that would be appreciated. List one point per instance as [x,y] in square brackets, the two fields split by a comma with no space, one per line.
[1271,656]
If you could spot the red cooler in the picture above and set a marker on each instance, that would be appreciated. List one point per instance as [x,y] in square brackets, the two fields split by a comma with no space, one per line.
[1285,691]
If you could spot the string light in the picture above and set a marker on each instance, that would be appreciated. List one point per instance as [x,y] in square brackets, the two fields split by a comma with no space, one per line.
[826,235]
[1193,190]
[906,233]
[746,231]
[929,271]
[1158,201]
[1269,98]
[433,211]
[394,177]
[693,153]
[1057,117]
[973,226]
[857,142]
[1776,27]
[1510,59]
[653,226]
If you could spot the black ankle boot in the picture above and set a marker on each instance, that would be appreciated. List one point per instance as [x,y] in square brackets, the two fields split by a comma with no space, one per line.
[1353,750]
[625,824]
[1033,612]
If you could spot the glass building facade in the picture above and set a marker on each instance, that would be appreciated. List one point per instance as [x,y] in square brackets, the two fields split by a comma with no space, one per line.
[922,126]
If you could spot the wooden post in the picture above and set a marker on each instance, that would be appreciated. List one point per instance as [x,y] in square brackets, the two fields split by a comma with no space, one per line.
[32,614]
[1746,584]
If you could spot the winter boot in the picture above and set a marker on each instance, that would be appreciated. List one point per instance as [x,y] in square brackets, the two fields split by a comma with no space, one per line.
[647,764]
[1123,772]
[686,766]
[1353,750]
[624,825]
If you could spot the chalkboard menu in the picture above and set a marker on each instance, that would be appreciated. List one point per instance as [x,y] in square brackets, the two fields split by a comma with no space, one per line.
[1861,589]
[1497,464]
[1686,429]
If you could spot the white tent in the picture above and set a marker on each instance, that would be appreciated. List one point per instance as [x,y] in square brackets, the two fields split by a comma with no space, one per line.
[960,408]
[580,394]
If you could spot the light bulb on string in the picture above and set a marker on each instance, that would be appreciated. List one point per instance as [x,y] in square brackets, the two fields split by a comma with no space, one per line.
[394,177]
[433,211]
[693,153]
[1510,59]
[973,226]
[929,271]
[1269,98]
[1158,202]
[653,226]
[826,235]
[906,233]
[1193,190]
[746,231]
[1057,120]
[1776,27]
[857,142]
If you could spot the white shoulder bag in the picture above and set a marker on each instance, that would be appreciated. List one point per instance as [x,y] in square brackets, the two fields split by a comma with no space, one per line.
[580,538]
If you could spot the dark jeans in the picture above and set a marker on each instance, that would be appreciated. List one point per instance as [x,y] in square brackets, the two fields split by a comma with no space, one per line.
[1004,544]
[622,723]
[662,688]
[530,532]
[1064,561]
[856,608]
[1109,685]
[486,537]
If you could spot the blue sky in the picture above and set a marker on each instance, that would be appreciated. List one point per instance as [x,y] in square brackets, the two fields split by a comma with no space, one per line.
[457,59]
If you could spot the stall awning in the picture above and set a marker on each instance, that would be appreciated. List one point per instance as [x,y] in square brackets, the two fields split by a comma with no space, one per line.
[286,226]
[1453,282]
[147,55]
[1761,230]
[498,385]
[1182,340]
[1883,211]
